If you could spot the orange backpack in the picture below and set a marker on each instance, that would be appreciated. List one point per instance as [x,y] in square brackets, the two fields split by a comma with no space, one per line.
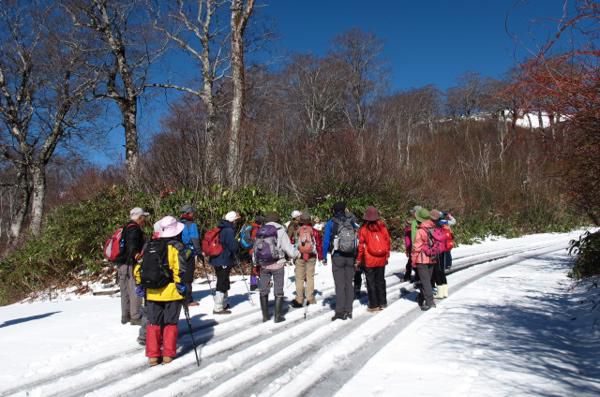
[306,240]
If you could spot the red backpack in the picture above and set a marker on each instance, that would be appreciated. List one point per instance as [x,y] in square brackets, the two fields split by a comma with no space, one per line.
[211,243]
[306,240]
[114,246]
[377,243]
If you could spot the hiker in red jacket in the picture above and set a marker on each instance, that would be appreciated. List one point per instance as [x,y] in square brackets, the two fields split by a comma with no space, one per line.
[374,247]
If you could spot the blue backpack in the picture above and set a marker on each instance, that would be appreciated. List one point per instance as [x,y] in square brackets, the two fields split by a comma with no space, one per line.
[246,240]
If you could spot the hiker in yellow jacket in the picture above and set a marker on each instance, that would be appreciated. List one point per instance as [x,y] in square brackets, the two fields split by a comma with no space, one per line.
[159,278]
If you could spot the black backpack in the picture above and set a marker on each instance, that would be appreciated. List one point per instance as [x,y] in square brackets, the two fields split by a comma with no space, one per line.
[155,271]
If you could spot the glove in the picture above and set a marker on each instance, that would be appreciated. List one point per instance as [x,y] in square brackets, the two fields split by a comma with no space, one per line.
[140,291]
[181,288]
[325,262]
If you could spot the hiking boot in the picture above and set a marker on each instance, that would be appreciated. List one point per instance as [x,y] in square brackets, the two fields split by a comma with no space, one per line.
[227,307]
[425,307]
[296,304]
[152,361]
[224,311]
[193,303]
[264,307]
[356,294]
[125,320]
[348,316]
[253,287]
[373,309]
[141,341]
[167,360]
[135,321]
[338,316]
[311,302]
[278,317]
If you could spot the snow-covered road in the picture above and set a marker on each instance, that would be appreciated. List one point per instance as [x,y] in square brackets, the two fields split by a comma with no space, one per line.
[518,332]
[76,346]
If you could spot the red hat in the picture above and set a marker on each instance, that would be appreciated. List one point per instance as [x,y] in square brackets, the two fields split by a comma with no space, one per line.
[371,214]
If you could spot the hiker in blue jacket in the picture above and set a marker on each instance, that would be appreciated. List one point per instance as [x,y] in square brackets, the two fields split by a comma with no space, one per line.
[191,239]
[340,241]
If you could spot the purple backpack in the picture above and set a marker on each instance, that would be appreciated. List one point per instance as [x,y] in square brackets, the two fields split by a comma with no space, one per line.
[265,246]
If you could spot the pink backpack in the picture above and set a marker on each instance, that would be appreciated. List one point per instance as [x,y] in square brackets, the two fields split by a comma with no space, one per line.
[436,242]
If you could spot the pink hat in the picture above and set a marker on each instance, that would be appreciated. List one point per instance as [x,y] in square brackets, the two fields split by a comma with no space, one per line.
[169,227]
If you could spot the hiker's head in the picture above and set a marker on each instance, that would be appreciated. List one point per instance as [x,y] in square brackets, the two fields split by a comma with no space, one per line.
[296,215]
[138,215]
[435,215]
[305,219]
[422,215]
[232,217]
[170,227]
[414,210]
[272,217]
[371,214]
[187,212]
[339,208]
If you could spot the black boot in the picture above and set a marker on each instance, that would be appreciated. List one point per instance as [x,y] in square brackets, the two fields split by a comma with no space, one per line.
[264,307]
[278,317]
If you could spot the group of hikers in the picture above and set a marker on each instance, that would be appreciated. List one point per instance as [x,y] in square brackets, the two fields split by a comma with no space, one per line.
[155,275]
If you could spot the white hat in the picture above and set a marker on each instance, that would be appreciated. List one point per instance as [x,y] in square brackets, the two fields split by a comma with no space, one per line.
[169,227]
[296,214]
[231,216]
[136,212]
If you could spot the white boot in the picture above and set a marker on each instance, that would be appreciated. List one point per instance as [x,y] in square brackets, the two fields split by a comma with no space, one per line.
[445,290]
[439,292]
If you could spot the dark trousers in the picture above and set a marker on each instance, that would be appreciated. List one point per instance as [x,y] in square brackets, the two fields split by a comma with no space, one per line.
[358,279]
[446,258]
[190,269]
[265,281]
[376,286]
[425,272]
[343,273]
[222,273]
[163,313]
[439,274]
[408,269]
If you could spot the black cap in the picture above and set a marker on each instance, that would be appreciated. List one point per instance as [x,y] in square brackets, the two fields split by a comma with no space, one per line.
[340,206]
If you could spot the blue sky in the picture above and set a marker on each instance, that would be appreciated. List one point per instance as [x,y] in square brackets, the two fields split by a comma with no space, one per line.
[425,42]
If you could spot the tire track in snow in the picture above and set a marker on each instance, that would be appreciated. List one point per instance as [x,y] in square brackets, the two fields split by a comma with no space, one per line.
[98,372]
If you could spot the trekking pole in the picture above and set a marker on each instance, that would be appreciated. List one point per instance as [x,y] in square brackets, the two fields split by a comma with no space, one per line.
[212,291]
[245,282]
[186,311]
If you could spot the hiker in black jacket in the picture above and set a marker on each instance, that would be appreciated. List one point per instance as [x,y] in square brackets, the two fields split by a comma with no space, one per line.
[134,242]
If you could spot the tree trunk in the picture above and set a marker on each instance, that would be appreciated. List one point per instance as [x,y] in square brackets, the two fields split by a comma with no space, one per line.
[237,64]
[211,171]
[22,202]
[132,155]
[38,178]
[239,20]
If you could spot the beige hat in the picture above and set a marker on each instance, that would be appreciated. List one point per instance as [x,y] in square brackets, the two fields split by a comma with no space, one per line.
[136,212]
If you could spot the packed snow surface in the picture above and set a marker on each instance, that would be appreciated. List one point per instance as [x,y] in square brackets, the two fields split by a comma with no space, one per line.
[519,331]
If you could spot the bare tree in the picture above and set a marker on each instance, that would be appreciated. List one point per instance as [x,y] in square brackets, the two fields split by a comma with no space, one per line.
[118,33]
[316,89]
[241,10]
[198,20]
[360,52]
[44,83]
